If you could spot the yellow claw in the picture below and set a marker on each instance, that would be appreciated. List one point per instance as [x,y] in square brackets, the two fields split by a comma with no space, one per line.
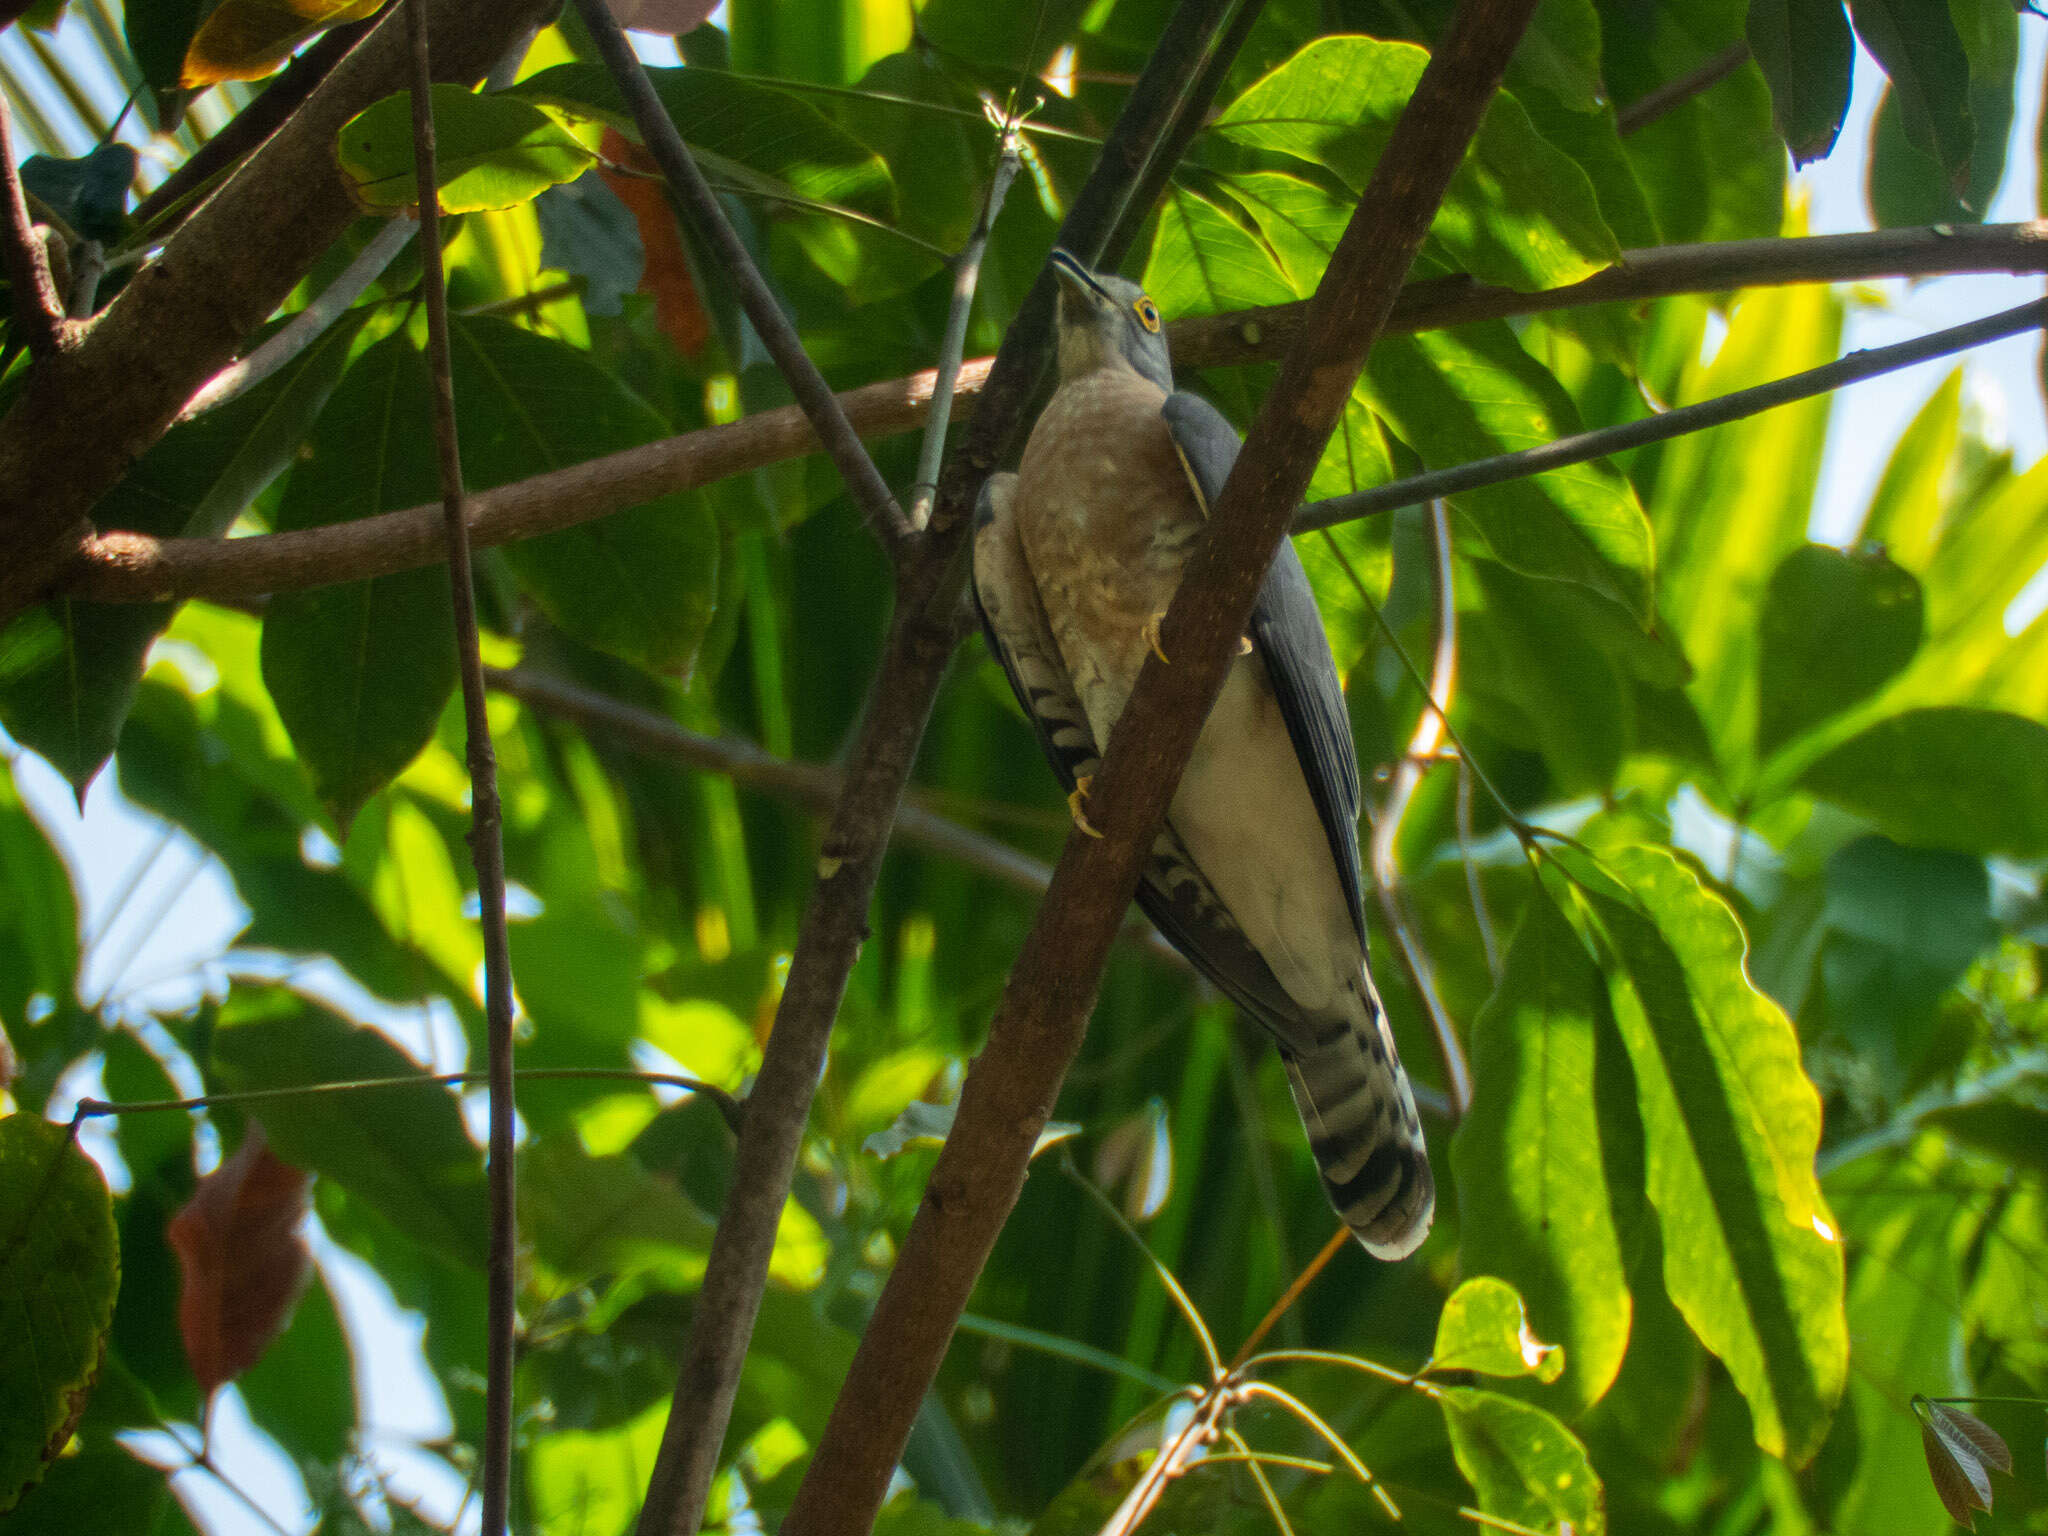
[1244,645]
[1150,630]
[1074,803]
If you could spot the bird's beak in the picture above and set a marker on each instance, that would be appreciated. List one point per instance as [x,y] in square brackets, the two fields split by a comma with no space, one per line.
[1075,279]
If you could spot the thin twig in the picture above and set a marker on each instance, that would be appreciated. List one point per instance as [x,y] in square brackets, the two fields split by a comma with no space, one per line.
[815,786]
[1647,108]
[966,273]
[126,567]
[1422,752]
[1339,1240]
[38,311]
[307,326]
[699,204]
[729,1107]
[1482,919]
[1038,1027]
[486,842]
[1586,446]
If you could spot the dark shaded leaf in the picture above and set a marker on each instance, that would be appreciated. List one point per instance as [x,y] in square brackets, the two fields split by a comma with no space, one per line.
[403,1149]
[90,194]
[586,231]
[359,671]
[59,1270]
[1959,1480]
[1837,625]
[1807,54]
[1975,780]
[1918,46]
[244,1260]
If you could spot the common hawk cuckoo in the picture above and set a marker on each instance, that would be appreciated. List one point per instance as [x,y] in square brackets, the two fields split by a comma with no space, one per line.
[1255,877]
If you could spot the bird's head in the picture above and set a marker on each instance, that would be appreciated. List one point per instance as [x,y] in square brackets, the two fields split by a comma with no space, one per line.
[1106,321]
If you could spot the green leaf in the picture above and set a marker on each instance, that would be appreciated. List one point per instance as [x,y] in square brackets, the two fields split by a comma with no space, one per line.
[755,126]
[1535,1149]
[590,1217]
[1471,392]
[38,916]
[1204,262]
[59,1270]
[69,670]
[359,672]
[1807,54]
[1907,184]
[1518,212]
[302,1391]
[1974,780]
[248,39]
[1906,510]
[1731,1125]
[1730,504]
[491,151]
[1483,1328]
[1837,626]
[402,1149]
[1523,1464]
[90,193]
[640,583]
[1906,1315]
[591,1482]
[1903,925]
[928,1125]
[1918,46]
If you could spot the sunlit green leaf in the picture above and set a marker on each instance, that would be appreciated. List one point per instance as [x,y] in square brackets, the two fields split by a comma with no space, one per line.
[591,1482]
[1483,1328]
[1906,509]
[1752,1256]
[1523,1464]
[490,151]
[1518,212]
[1535,1148]
[589,1217]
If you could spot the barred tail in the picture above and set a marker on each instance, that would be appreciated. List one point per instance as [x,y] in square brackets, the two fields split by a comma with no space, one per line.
[1361,1122]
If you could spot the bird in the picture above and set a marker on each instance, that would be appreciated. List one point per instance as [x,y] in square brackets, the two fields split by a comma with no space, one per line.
[1255,876]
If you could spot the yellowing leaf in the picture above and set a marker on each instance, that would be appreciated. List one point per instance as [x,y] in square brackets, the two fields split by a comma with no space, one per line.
[248,39]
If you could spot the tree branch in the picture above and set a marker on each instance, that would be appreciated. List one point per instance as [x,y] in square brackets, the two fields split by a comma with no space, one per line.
[1038,1026]
[927,625]
[693,195]
[88,412]
[38,311]
[120,567]
[486,840]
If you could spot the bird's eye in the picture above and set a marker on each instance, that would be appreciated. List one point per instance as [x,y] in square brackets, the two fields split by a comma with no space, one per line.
[1148,314]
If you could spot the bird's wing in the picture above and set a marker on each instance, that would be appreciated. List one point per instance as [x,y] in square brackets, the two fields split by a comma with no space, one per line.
[1288,633]
[1174,894]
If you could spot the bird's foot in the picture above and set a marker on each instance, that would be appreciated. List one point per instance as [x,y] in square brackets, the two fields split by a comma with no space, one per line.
[1244,645]
[1074,803]
[1150,630]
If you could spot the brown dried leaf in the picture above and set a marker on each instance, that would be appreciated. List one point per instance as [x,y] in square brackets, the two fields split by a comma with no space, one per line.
[243,1259]
[1985,1443]
[1960,1482]
[677,310]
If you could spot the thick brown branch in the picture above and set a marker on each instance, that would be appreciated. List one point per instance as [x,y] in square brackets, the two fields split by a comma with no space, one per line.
[126,567]
[87,412]
[38,311]
[1038,1026]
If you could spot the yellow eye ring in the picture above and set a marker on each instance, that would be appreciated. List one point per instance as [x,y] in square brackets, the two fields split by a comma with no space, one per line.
[1148,314]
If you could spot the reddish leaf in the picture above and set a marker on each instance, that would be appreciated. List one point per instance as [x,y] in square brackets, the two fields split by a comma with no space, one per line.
[244,1261]
[1960,1482]
[666,275]
[1959,1429]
